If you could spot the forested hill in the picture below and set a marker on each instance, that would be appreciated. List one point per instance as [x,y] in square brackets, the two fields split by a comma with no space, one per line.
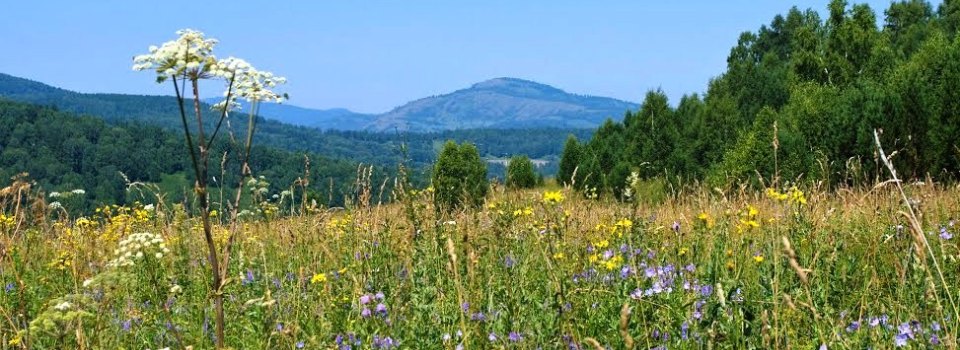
[357,146]
[800,98]
[63,152]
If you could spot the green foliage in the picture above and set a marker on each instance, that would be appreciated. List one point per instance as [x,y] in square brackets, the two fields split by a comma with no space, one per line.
[63,152]
[569,161]
[826,84]
[380,149]
[459,177]
[520,173]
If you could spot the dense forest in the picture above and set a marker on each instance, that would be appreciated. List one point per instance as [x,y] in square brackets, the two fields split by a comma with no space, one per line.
[63,152]
[420,149]
[800,100]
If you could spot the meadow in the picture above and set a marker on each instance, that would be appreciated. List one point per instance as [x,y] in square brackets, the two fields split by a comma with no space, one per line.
[701,268]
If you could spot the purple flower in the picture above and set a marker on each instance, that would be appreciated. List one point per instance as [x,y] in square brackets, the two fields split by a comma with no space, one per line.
[365,312]
[380,296]
[684,328]
[381,309]
[479,317]
[247,278]
[508,261]
[515,337]
[383,343]
[607,254]
[9,287]
[126,325]
[706,290]
[465,306]
[675,226]
[300,344]
[625,272]
[492,337]
[900,340]
[365,299]
[934,340]
[935,326]
[279,327]
[944,235]
[853,327]
[690,268]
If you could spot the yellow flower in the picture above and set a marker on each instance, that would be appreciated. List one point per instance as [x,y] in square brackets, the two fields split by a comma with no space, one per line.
[758,258]
[593,258]
[214,213]
[683,251]
[706,219]
[602,244]
[16,340]
[319,278]
[558,256]
[751,211]
[730,265]
[552,197]
[625,224]
[797,196]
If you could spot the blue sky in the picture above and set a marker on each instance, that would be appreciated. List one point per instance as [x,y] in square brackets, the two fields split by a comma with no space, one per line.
[371,56]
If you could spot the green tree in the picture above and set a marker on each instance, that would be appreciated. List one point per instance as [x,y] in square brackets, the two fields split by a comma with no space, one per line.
[520,173]
[569,161]
[459,177]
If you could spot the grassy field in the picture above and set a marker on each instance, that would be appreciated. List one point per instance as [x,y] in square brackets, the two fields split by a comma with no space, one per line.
[530,269]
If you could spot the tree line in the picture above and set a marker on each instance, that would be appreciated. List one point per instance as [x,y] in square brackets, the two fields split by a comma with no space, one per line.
[799,100]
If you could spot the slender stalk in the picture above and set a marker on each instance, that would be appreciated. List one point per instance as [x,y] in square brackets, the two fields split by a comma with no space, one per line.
[223,114]
[202,198]
[186,129]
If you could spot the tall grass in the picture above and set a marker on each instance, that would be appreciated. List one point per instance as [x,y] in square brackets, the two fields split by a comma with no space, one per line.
[707,269]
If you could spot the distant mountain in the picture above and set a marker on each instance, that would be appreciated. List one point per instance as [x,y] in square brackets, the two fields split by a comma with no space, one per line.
[341,140]
[502,103]
[505,103]
[334,119]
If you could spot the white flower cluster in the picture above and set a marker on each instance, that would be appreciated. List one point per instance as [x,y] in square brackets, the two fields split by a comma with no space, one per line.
[136,247]
[251,84]
[191,55]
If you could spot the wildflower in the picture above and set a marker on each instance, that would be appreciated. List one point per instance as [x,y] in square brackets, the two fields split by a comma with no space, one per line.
[300,344]
[492,337]
[381,309]
[176,289]
[508,261]
[944,234]
[318,278]
[758,258]
[63,306]
[900,340]
[365,312]
[514,337]
[379,296]
[675,226]
[553,197]
[17,339]
[365,299]
[558,256]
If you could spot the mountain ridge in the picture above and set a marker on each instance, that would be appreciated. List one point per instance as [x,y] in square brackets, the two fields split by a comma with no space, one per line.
[498,103]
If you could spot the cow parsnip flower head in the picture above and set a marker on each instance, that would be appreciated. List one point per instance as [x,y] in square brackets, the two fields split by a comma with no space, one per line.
[190,55]
[249,84]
